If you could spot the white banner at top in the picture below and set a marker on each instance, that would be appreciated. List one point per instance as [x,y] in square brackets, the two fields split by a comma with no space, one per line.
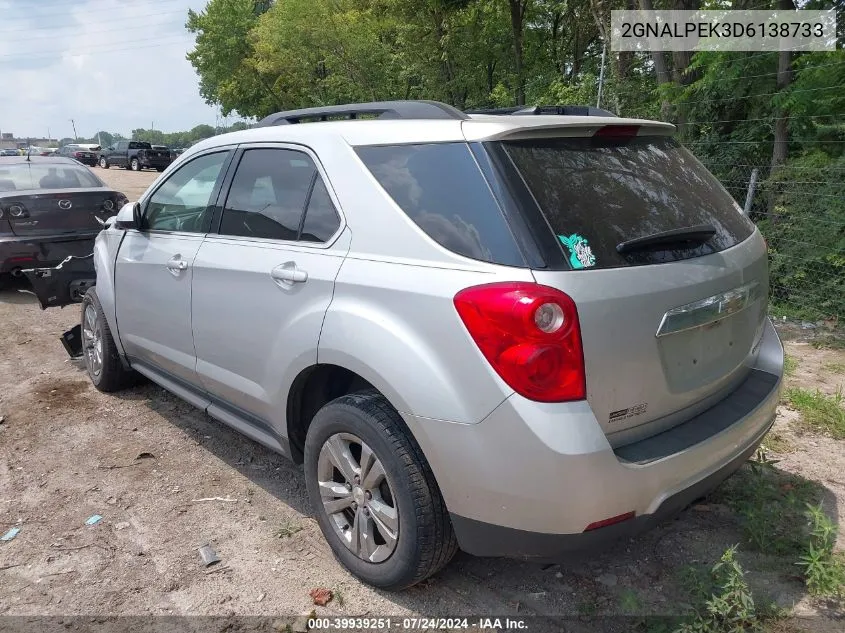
[726,30]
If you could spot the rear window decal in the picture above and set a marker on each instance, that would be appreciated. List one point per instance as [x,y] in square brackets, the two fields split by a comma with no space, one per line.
[580,253]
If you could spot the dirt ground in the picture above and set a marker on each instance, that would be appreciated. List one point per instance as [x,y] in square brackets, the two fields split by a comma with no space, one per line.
[132,183]
[146,462]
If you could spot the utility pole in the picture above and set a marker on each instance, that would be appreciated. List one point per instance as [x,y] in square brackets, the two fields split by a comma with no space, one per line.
[75,136]
[48,135]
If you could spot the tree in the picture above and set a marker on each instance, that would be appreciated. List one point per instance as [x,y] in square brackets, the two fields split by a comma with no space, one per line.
[222,57]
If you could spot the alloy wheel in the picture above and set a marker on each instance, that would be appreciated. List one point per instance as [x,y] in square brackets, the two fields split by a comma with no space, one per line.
[92,341]
[358,497]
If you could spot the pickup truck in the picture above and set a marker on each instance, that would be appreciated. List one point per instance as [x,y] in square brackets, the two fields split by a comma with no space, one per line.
[134,155]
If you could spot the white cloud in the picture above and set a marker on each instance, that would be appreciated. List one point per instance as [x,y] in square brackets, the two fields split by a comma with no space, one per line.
[108,64]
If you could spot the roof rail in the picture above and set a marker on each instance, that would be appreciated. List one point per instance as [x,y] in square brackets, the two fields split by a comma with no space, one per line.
[381,110]
[559,110]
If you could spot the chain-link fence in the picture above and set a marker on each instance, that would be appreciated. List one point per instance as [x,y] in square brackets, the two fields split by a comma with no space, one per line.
[800,210]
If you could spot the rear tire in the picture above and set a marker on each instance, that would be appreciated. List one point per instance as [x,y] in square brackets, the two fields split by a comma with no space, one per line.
[423,541]
[134,165]
[104,164]
[102,360]
[159,169]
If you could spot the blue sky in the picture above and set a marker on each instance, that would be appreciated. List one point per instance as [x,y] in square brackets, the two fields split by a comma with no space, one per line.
[112,65]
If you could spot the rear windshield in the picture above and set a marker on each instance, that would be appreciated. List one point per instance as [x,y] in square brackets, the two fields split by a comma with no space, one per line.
[597,193]
[138,145]
[28,176]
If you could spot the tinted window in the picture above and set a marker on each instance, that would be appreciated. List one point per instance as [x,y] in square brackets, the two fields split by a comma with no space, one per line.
[37,175]
[321,219]
[182,201]
[138,145]
[597,193]
[268,194]
[441,188]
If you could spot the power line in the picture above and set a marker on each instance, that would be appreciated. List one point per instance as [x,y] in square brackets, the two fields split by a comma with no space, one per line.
[86,33]
[768,118]
[75,28]
[99,12]
[97,49]
[762,94]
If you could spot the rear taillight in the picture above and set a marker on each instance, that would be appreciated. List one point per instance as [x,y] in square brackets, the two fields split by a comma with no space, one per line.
[78,154]
[530,335]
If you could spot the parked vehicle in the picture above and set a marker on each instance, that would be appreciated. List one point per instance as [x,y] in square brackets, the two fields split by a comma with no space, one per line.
[165,148]
[134,155]
[516,334]
[78,153]
[50,208]
[9,151]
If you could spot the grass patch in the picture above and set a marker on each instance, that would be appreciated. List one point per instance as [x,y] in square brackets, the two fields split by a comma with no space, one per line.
[828,341]
[776,443]
[790,364]
[834,368]
[769,504]
[819,411]
[288,529]
[629,601]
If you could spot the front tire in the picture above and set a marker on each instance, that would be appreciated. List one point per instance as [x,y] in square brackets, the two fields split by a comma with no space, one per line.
[104,164]
[374,495]
[102,360]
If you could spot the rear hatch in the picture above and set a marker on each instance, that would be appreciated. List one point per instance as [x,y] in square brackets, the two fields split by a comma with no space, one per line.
[669,277]
[59,211]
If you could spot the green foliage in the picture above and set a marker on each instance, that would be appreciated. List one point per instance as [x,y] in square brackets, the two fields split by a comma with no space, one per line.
[790,364]
[769,504]
[183,139]
[259,57]
[820,411]
[805,234]
[288,528]
[731,607]
[824,570]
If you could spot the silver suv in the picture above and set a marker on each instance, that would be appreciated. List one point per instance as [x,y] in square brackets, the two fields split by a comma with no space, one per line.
[516,334]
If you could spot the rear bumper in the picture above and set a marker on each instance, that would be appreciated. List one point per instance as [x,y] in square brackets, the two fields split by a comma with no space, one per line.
[528,480]
[154,162]
[486,539]
[18,252]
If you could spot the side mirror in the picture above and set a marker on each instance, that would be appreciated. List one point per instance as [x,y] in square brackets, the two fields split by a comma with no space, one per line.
[129,217]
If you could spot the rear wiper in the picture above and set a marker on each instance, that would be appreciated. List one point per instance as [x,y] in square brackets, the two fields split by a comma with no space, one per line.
[679,238]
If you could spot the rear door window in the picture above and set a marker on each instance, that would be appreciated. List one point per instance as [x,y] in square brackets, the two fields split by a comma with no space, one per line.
[440,187]
[268,194]
[599,192]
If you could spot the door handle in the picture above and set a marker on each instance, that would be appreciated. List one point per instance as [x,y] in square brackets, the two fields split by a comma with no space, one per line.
[288,274]
[176,264]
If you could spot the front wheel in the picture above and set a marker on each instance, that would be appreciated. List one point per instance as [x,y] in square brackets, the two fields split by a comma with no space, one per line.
[135,165]
[102,360]
[374,495]
[104,163]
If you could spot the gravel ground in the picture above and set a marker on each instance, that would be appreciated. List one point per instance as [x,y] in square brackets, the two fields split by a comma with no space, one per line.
[144,461]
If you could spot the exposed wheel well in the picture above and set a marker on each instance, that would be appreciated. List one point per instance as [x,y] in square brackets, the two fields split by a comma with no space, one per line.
[312,389]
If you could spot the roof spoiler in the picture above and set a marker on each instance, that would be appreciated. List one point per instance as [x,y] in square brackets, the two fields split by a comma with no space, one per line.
[376,109]
[556,110]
